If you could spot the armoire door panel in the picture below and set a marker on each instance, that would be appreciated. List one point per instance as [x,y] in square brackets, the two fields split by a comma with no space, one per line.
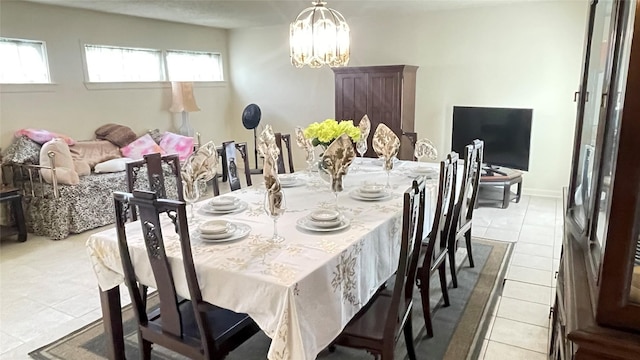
[351,101]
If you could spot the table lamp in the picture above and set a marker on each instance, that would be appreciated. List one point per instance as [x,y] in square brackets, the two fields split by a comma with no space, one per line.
[183,101]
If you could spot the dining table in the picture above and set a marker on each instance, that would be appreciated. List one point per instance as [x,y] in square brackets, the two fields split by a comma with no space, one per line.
[300,291]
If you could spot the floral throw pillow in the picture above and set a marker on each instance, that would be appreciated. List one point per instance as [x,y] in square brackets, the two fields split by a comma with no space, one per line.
[42,136]
[22,151]
[141,146]
[177,144]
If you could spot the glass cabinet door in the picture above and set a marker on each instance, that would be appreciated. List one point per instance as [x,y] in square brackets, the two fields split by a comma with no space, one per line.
[592,95]
[611,136]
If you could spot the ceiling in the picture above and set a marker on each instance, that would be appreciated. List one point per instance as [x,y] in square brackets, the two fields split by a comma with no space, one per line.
[250,13]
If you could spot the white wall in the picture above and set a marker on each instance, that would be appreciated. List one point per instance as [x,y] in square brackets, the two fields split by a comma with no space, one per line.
[70,108]
[517,55]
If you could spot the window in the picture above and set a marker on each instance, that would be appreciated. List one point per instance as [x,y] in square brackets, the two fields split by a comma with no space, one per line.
[193,66]
[118,64]
[23,62]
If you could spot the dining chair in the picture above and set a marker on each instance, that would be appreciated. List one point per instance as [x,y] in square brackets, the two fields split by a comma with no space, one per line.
[466,202]
[377,327]
[286,138]
[230,165]
[433,256]
[158,182]
[192,328]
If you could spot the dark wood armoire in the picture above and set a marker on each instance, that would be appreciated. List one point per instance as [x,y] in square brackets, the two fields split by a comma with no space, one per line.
[596,314]
[387,94]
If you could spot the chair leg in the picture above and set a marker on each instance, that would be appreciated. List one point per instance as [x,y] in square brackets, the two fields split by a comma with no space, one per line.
[423,285]
[408,337]
[452,265]
[442,271]
[145,348]
[467,238]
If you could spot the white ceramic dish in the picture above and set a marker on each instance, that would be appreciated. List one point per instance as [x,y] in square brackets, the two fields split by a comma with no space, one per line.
[326,223]
[241,230]
[305,223]
[324,214]
[213,227]
[292,184]
[355,194]
[223,201]
[425,170]
[241,206]
[371,188]
[371,195]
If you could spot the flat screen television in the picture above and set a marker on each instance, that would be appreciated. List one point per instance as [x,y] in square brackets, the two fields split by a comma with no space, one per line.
[506,134]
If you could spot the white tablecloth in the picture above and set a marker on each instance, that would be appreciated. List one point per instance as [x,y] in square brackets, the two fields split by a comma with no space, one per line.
[302,291]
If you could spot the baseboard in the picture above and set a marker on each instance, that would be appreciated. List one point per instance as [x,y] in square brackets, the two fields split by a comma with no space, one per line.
[542,193]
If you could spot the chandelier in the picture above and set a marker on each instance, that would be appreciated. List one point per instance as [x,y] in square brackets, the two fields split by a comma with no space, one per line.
[319,36]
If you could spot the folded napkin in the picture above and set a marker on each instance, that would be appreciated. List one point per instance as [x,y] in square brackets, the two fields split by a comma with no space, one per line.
[425,148]
[336,160]
[304,143]
[270,152]
[201,165]
[365,128]
[386,144]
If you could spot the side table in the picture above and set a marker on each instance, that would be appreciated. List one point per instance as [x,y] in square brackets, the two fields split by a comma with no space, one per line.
[13,196]
[496,188]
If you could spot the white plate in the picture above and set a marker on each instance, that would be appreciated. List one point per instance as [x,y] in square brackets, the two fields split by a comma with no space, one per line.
[219,228]
[241,231]
[242,206]
[223,201]
[324,214]
[326,223]
[424,170]
[290,184]
[371,188]
[306,224]
[358,196]
[367,195]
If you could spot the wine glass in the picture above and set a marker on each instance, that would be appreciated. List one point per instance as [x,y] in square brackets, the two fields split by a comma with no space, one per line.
[311,161]
[191,193]
[361,148]
[388,165]
[275,212]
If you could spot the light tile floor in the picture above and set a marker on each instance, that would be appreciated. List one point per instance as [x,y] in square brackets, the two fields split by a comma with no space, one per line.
[47,288]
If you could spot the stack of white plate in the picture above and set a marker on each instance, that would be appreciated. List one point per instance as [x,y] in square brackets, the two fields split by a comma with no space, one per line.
[370,192]
[222,230]
[323,220]
[425,170]
[289,180]
[225,205]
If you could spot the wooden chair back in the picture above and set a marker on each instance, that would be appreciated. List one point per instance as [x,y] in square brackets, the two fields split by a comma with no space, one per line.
[155,175]
[286,138]
[231,163]
[218,330]
[413,210]
[468,194]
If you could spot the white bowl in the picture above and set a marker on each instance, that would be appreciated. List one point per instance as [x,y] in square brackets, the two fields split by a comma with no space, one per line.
[216,227]
[286,179]
[371,188]
[223,201]
[324,215]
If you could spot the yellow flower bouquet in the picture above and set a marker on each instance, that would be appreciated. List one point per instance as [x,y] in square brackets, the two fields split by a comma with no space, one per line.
[325,132]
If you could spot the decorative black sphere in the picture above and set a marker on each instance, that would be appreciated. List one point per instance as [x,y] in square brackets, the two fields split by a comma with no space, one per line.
[251,116]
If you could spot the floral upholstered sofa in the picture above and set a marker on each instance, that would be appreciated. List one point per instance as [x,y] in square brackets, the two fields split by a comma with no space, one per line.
[56,209]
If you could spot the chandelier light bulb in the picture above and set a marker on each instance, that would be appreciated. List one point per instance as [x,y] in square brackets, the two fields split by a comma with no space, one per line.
[319,36]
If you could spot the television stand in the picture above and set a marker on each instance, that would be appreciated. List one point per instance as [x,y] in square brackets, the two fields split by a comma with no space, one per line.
[495,187]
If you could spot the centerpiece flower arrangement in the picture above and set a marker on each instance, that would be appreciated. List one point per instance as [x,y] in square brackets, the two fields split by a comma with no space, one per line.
[326,132]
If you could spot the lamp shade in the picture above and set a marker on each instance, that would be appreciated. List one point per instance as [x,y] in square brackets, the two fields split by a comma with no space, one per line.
[319,36]
[182,97]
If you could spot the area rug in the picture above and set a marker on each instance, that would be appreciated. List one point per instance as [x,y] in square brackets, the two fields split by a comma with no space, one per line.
[458,328]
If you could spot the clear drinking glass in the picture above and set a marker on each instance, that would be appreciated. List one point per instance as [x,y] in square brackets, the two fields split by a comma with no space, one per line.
[388,165]
[275,214]
[361,148]
[191,194]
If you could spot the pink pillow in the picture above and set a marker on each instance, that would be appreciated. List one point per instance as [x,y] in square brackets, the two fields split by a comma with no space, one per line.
[177,144]
[42,136]
[141,146]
